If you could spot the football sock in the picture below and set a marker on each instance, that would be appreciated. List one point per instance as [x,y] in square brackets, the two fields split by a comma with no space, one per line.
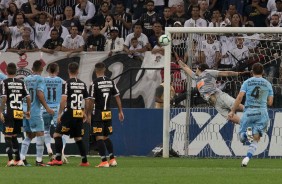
[58,146]
[9,147]
[24,148]
[110,148]
[48,140]
[82,150]
[16,148]
[39,148]
[102,150]
[252,148]
[64,143]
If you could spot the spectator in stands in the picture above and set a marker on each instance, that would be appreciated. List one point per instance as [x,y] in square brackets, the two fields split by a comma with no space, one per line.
[216,20]
[71,20]
[26,45]
[112,6]
[96,41]
[205,13]
[159,6]
[227,44]
[12,11]
[147,19]
[157,28]
[278,12]
[73,43]
[3,41]
[210,51]
[188,5]
[97,4]
[109,23]
[84,10]
[275,21]
[17,30]
[236,20]
[31,7]
[54,43]
[142,39]
[65,3]
[180,14]
[179,41]
[123,20]
[239,54]
[256,12]
[52,8]
[42,28]
[63,31]
[135,50]
[230,12]
[100,18]
[271,5]
[195,20]
[136,8]
[166,20]
[115,43]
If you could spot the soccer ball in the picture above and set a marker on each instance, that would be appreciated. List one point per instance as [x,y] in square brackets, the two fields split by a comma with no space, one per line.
[164,40]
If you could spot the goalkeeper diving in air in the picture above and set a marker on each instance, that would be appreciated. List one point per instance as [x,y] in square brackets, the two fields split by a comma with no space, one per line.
[206,84]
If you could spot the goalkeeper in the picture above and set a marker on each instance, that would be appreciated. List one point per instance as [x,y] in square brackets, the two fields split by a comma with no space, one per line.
[206,84]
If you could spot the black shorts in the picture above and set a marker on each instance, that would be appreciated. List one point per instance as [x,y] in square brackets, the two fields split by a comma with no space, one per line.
[12,126]
[101,128]
[70,126]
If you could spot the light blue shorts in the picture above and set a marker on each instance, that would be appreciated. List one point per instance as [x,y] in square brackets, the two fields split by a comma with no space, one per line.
[257,119]
[34,124]
[47,118]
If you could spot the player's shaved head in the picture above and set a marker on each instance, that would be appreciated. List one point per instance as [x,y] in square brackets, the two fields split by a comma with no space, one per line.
[73,68]
[99,67]
[11,69]
[257,69]
[37,66]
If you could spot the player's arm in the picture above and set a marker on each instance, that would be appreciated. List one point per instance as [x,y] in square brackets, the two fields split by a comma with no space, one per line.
[41,98]
[236,104]
[270,100]
[186,68]
[62,106]
[3,102]
[28,102]
[120,112]
[230,73]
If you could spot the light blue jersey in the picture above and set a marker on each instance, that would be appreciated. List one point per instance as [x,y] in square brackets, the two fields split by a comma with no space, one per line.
[53,91]
[257,91]
[2,77]
[34,83]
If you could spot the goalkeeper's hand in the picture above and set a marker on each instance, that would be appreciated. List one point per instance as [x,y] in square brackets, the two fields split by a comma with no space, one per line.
[181,63]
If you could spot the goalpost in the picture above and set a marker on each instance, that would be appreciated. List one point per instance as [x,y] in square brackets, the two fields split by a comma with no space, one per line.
[265,38]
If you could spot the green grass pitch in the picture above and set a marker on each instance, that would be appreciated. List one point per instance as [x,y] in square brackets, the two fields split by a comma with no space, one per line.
[145,170]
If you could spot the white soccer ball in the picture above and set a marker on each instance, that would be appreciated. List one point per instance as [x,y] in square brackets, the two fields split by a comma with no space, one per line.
[164,40]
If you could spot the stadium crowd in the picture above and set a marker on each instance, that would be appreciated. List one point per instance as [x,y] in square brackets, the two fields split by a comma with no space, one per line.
[134,26]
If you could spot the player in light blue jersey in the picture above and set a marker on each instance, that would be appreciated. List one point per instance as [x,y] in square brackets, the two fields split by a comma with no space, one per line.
[207,87]
[2,77]
[35,125]
[52,93]
[259,95]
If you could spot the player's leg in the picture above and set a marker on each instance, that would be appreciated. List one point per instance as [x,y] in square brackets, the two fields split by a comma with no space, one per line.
[98,130]
[109,144]
[26,142]
[17,131]
[64,159]
[47,118]
[37,125]
[8,133]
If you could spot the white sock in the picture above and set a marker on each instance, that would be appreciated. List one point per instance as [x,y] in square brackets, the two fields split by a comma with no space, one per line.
[252,149]
[24,148]
[39,148]
[64,143]
[48,140]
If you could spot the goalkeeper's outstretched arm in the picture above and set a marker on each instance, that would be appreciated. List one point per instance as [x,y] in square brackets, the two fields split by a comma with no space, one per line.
[186,68]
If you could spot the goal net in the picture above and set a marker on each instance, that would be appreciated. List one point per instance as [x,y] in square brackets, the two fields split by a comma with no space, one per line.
[191,127]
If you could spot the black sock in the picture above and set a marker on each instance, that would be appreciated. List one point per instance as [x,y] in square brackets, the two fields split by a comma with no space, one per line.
[102,150]
[16,148]
[82,150]
[59,147]
[9,147]
[110,148]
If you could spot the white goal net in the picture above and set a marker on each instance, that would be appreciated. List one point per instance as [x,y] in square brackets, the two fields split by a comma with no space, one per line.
[193,128]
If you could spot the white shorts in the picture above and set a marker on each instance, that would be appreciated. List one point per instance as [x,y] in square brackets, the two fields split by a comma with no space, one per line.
[224,103]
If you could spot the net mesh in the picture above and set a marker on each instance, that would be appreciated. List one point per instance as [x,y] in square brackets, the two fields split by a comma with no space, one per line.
[195,128]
